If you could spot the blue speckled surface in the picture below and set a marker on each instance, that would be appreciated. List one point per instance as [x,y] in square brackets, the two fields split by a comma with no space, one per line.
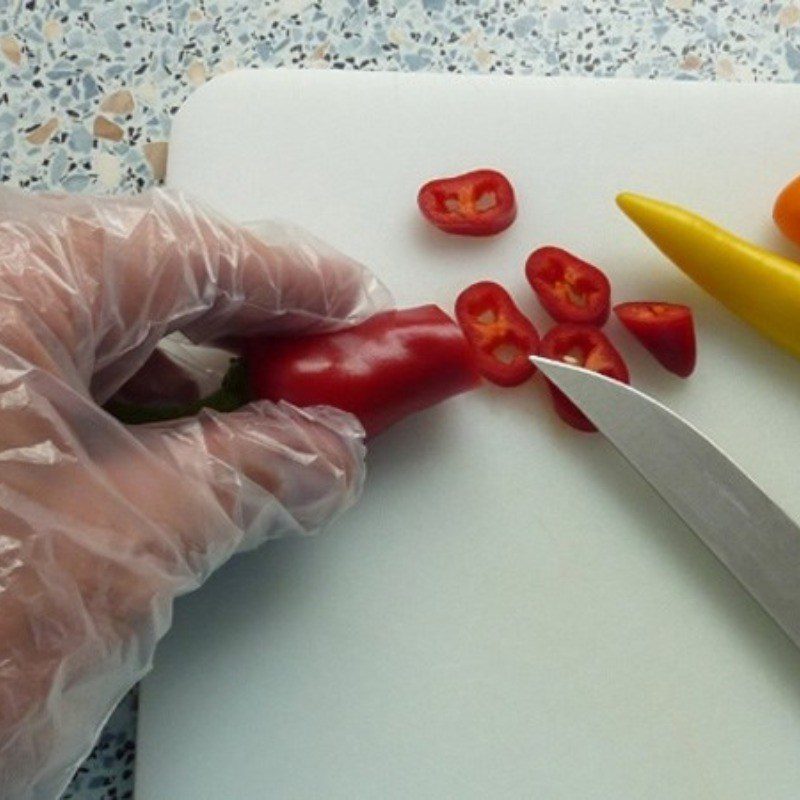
[87,91]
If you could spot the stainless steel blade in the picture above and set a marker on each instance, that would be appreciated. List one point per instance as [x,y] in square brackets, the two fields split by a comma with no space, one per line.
[740,524]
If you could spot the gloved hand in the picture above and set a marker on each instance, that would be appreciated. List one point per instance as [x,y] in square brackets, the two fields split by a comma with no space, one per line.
[103,525]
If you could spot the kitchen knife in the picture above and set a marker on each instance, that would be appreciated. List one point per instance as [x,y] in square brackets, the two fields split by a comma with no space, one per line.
[736,520]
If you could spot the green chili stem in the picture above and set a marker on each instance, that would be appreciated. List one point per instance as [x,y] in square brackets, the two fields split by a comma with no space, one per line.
[232,394]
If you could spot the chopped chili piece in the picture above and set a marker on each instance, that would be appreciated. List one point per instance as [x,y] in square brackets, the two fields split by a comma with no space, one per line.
[500,335]
[478,203]
[666,330]
[587,347]
[570,290]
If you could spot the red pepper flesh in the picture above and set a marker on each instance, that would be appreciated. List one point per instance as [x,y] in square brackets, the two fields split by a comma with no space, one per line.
[500,335]
[394,364]
[570,290]
[587,347]
[478,203]
[666,330]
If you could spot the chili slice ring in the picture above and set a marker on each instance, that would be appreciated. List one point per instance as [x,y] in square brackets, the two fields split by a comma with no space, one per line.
[501,337]
[478,203]
[570,290]
[587,347]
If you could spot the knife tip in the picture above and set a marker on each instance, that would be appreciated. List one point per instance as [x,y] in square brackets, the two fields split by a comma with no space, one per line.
[542,363]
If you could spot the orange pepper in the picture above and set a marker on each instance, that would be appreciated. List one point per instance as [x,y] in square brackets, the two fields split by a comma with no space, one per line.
[786,212]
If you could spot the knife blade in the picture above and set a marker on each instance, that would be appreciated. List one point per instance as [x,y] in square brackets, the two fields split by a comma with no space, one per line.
[746,530]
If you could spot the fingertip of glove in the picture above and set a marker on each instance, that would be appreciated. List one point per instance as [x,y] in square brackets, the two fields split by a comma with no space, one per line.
[312,459]
[336,436]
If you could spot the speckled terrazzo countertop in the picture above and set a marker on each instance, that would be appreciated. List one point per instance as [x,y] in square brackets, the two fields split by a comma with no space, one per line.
[88,89]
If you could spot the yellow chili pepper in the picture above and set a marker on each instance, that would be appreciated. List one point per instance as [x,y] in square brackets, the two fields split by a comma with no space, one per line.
[762,287]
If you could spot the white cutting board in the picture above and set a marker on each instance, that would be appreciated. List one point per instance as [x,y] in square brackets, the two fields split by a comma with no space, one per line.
[510,612]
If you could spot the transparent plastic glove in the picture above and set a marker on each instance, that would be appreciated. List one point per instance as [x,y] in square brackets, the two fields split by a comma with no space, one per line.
[103,525]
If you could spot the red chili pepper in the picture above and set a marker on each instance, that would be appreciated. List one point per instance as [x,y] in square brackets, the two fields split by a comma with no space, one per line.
[666,330]
[390,366]
[587,347]
[500,335]
[479,203]
[570,290]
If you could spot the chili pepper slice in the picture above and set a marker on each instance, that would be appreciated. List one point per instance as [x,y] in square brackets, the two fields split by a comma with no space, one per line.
[500,335]
[570,290]
[392,365]
[478,203]
[666,330]
[587,347]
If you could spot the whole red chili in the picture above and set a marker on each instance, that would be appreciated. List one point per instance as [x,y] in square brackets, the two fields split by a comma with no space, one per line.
[570,290]
[500,335]
[666,330]
[392,365]
[581,346]
[478,203]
